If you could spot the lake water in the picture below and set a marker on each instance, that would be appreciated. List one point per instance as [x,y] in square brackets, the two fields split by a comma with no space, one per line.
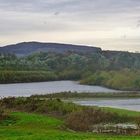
[27,89]
[130,104]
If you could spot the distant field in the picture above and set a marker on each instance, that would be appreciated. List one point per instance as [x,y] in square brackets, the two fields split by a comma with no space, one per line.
[122,111]
[75,95]
[40,127]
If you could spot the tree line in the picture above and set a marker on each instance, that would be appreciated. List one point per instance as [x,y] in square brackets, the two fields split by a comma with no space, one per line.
[119,70]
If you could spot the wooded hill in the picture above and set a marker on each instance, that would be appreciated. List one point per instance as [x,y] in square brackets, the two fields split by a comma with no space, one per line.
[89,65]
[26,48]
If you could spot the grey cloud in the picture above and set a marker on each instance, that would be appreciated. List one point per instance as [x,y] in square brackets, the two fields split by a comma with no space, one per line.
[74,9]
[68,5]
[138,24]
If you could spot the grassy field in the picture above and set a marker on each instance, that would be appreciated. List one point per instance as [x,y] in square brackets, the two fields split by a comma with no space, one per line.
[39,127]
[122,111]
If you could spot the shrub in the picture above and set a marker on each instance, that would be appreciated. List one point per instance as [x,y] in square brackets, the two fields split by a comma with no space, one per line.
[3,115]
[85,119]
[138,122]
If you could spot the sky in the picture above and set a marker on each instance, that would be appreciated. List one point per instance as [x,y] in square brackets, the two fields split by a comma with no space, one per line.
[109,24]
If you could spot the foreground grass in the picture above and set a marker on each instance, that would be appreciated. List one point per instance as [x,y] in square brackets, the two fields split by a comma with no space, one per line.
[40,127]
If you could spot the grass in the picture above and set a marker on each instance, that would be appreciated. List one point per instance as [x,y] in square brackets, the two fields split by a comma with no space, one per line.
[75,95]
[122,111]
[40,127]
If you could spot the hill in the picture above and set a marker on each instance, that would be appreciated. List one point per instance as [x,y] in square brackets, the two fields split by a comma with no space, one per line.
[27,48]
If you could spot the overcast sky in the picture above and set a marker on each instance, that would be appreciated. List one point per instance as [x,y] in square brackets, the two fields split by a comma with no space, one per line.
[109,24]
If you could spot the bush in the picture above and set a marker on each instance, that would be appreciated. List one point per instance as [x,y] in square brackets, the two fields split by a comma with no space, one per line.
[26,76]
[3,115]
[123,79]
[138,122]
[34,104]
[85,119]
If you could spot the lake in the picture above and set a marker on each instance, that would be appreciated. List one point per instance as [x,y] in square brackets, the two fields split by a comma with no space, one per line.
[27,89]
[128,103]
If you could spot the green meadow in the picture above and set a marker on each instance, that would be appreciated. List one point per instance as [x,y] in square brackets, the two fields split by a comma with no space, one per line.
[30,126]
